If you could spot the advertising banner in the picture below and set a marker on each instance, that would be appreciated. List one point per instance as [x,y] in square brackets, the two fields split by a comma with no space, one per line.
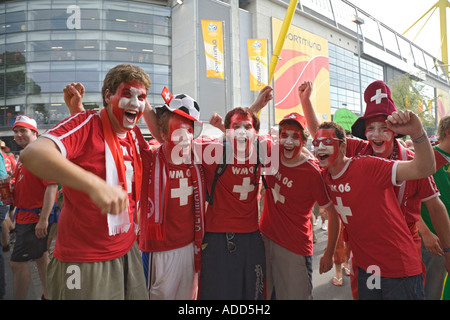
[213,40]
[304,57]
[257,55]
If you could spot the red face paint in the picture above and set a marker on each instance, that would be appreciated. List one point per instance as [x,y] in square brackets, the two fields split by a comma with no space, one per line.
[381,138]
[290,141]
[241,133]
[179,142]
[326,147]
[128,105]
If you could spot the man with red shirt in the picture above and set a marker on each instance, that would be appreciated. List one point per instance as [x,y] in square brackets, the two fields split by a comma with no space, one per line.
[172,204]
[95,156]
[34,199]
[286,217]
[388,264]
[379,141]
[233,261]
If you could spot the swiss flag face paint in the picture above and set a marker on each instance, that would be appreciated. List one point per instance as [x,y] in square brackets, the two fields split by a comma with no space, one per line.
[290,141]
[241,133]
[326,147]
[381,138]
[179,144]
[128,105]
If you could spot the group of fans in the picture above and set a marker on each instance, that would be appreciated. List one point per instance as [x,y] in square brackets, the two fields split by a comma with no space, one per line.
[179,219]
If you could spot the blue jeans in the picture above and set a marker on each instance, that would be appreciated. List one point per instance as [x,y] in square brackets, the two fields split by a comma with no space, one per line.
[384,288]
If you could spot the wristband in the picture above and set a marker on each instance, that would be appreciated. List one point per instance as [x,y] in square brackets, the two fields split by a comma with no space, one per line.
[446,249]
[421,138]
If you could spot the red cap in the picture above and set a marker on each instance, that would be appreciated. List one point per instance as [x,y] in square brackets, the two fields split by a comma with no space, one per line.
[294,116]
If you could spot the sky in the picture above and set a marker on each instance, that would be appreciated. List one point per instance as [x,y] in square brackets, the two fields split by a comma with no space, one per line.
[399,15]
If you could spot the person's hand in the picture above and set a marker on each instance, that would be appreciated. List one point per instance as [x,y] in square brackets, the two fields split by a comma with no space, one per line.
[41,229]
[73,97]
[305,90]
[263,98]
[216,121]
[109,199]
[326,263]
[432,244]
[405,122]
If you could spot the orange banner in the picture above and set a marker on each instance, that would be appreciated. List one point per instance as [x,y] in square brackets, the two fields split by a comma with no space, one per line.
[304,57]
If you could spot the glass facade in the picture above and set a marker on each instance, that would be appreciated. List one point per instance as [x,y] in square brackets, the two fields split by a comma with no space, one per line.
[344,78]
[47,44]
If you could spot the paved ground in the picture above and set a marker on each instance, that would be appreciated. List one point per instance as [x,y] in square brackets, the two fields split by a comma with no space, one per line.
[323,289]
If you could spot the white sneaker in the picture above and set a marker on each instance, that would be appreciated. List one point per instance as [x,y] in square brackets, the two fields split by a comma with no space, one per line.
[325,225]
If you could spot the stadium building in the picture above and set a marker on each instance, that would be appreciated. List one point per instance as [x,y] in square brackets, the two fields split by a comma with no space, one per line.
[218,52]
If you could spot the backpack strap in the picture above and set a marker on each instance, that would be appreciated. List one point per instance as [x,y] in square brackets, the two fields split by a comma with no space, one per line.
[260,161]
[220,169]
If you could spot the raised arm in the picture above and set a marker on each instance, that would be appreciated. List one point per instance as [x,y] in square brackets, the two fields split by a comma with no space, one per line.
[304,93]
[73,97]
[152,122]
[423,165]
[263,98]
[44,159]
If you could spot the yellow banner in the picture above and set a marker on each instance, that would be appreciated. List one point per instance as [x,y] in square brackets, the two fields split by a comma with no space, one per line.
[304,57]
[213,40]
[257,55]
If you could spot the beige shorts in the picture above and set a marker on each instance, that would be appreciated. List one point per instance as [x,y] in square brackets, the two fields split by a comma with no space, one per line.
[287,273]
[118,279]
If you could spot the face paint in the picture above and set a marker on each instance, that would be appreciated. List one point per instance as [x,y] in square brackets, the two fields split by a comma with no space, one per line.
[241,134]
[128,104]
[179,144]
[326,147]
[290,141]
[381,138]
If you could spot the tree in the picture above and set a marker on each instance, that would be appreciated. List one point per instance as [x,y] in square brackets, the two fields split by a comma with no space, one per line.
[409,94]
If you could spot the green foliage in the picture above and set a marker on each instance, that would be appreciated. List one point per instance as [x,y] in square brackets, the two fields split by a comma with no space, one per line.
[408,94]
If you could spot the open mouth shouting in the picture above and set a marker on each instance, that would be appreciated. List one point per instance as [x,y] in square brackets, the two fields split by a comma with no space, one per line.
[130,116]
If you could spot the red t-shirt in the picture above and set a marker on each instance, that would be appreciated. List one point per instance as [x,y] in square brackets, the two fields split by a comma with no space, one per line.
[410,193]
[82,228]
[235,206]
[179,213]
[28,193]
[364,196]
[288,202]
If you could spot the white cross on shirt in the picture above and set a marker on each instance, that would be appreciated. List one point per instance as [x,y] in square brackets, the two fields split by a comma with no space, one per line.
[342,210]
[244,189]
[378,96]
[183,192]
[277,196]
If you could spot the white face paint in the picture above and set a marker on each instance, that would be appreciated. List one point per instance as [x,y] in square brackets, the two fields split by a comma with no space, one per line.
[380,137]
[241,136]
[324,153]
[291,143]
[133,107]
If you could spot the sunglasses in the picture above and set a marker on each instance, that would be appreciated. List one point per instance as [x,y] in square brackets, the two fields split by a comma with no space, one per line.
[326,141]
[231,246]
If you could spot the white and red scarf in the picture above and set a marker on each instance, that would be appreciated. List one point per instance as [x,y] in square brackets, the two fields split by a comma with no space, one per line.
[155,187]
[115,171]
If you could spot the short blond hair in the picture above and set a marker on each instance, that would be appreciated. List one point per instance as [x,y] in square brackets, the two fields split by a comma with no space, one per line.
[444,124]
